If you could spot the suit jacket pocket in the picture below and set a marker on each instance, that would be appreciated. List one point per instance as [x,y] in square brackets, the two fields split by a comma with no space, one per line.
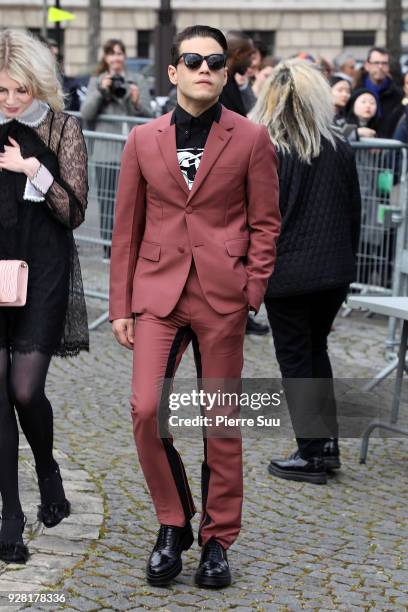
[149,250]
[238,247]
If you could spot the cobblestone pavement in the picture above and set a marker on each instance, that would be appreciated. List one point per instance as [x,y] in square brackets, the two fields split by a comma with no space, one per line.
[338,547]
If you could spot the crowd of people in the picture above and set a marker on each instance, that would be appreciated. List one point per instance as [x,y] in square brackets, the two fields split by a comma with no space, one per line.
[369,102]
[246,193]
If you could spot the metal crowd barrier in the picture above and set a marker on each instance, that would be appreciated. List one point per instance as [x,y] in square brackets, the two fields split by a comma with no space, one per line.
[382,169]
[383,249]
[94,236]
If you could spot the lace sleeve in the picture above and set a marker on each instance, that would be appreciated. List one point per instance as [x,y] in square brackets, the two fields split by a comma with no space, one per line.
[67,196]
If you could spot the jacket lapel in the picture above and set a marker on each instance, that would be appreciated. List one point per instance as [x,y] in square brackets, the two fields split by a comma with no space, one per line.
[217,140]
[166,139]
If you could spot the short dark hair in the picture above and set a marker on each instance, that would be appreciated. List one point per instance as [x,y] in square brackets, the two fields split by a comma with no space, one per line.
[381,50]
[237,41]
[197,31]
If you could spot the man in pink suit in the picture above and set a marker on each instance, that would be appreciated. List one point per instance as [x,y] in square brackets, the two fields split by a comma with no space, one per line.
[196,224]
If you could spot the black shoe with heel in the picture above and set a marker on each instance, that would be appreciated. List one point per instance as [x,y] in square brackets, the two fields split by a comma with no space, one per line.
[14,552]
[165,561]
[51,513]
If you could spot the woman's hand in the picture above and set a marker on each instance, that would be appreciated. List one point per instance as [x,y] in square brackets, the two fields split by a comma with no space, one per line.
[241,79]
[366,132]
[134,94]
[106,82]
[12,160]
[260,79]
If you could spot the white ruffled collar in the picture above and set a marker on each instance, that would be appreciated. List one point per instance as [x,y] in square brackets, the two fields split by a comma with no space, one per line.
[33,116]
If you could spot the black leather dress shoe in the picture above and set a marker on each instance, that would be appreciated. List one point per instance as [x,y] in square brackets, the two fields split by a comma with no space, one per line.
[213,570]
[165,561]
[257,329]
[331,455]
[303,470]
[14,552]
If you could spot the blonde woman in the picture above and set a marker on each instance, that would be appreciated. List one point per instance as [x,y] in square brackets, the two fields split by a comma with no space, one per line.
[316,256]
[43,196]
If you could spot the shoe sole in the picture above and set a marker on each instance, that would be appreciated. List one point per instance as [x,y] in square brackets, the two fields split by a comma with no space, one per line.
[20,561]
[317,478]
[212,582]
[164,579]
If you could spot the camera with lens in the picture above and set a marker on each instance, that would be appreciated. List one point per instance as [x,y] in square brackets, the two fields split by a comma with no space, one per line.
[118,87]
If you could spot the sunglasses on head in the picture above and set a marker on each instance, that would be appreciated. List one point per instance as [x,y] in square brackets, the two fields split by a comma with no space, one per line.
[215,61]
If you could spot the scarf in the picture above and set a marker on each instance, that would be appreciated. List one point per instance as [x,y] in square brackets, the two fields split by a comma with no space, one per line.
[377,90]
[12,184]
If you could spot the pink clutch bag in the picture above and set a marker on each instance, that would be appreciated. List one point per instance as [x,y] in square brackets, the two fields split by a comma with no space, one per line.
[13,282]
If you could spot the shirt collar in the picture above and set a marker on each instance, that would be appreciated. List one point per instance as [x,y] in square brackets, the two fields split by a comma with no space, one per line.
[33,116]
[182,118]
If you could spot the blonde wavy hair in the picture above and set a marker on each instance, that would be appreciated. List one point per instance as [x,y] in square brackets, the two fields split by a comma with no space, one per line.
[29,62]
[296,106]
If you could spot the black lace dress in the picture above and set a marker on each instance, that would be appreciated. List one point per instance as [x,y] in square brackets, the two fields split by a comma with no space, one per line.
[54,320]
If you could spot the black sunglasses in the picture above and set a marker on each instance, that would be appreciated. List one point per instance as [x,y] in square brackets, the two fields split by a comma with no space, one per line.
[215,61]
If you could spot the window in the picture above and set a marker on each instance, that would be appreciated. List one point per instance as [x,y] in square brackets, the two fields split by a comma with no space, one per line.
[359,38]
[144,43]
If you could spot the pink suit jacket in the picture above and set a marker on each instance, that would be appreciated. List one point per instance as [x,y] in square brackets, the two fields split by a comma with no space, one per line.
[228,223]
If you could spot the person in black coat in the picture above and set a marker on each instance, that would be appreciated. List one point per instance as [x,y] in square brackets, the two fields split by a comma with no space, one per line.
[316,256]
[240,52]
[401,131]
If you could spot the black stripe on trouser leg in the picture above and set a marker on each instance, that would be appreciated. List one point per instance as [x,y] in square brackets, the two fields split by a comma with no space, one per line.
[205,469]
[174,459]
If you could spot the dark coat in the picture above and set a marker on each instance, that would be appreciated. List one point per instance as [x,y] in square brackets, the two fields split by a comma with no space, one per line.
[401,131]
[231,97]
[390,101]
[320,205]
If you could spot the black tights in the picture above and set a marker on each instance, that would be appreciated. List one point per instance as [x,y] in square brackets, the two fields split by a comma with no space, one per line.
[22,385]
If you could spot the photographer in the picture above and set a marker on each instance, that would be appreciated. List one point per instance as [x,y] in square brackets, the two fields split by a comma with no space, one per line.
[112,91]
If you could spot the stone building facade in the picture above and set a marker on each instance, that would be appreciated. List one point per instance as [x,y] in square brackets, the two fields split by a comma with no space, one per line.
[322,27]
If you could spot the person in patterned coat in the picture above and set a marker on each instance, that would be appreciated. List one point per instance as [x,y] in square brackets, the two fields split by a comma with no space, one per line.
[43,197]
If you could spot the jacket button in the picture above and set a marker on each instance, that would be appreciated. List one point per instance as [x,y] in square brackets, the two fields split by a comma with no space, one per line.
[180,250]
[189,209]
